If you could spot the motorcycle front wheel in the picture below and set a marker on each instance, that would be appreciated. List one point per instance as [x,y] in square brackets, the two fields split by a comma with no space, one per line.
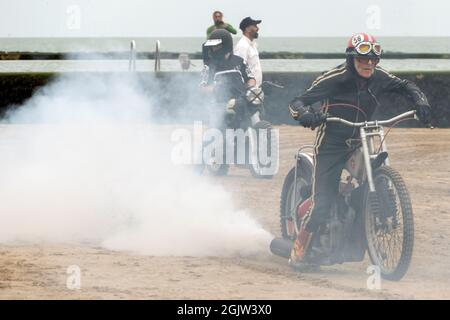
[389,224]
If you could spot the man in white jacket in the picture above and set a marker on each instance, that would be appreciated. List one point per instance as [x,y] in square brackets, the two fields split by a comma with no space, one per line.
[247,47]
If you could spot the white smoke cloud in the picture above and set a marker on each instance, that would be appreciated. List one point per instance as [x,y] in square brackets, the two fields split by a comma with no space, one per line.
[80,162]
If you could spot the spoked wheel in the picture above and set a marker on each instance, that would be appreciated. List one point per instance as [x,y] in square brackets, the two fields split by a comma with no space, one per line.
[289,202]
[389,224]
[258,167]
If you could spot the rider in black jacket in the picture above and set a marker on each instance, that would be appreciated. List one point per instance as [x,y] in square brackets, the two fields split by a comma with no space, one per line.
[228,77]
[358,82]
[224,69]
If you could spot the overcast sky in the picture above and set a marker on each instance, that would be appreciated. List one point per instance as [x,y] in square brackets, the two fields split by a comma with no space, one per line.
[172,18]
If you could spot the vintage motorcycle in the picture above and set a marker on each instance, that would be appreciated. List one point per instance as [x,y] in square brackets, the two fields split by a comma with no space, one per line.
[372,211]
[245,113]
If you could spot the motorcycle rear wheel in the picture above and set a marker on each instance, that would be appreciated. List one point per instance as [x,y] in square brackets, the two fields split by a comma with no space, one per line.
[289,203]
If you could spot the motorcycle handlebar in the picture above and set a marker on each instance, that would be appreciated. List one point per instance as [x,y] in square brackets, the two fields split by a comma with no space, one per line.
[271,84]
[373,123]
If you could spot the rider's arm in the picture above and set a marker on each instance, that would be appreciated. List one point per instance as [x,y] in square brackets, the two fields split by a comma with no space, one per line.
[247,74]
[205,76]
[404,87]
[206,80]
[410,91]
[320,90]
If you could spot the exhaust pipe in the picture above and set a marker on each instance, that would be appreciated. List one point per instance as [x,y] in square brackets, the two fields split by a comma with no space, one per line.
[281,247]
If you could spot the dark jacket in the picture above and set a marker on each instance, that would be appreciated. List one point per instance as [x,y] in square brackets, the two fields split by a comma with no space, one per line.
[229,76]
[342,85]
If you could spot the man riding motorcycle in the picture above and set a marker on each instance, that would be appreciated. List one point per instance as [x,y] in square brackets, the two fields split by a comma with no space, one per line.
[358,82]
[227,75]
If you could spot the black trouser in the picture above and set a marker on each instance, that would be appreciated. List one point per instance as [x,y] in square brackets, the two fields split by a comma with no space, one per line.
[330,156]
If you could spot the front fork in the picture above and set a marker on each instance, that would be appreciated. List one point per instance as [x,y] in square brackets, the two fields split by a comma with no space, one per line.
[367,140]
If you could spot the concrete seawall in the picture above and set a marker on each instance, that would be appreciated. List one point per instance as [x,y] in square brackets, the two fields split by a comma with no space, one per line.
[177,92]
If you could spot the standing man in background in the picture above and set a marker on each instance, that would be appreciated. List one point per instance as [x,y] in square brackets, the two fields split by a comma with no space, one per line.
[247,47]
[219,24]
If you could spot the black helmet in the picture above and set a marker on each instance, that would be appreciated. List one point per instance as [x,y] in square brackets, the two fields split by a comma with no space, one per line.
[219,44]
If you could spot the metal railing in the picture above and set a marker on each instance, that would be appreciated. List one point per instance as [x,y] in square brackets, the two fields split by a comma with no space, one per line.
[133,56]
[158,56]
[132,61]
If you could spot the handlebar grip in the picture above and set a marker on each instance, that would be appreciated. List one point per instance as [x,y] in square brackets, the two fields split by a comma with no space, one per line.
[382,122]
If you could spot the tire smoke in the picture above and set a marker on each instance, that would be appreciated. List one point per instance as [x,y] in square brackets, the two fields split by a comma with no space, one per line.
[82,163]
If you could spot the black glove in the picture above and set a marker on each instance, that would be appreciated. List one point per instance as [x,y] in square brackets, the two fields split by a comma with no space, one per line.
[297,109]
[423,111]
[312,119]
